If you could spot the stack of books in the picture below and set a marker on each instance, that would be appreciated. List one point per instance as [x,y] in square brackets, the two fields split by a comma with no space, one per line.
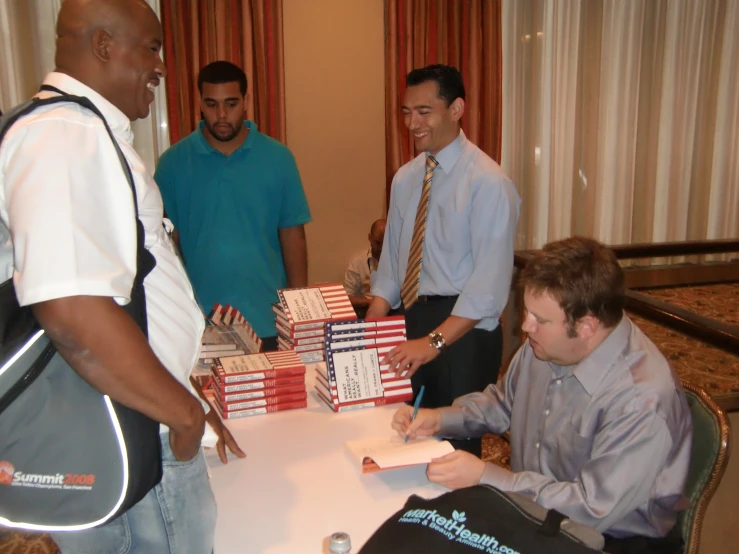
[254,384]
[353,375]
[228,334]
[301,316]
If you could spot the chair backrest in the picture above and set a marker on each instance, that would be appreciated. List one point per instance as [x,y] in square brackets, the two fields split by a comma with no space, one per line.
[709,456]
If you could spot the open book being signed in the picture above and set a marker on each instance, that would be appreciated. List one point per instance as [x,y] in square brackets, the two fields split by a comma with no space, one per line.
[379,454]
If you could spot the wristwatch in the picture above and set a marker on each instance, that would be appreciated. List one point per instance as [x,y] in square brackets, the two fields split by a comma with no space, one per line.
[437,340]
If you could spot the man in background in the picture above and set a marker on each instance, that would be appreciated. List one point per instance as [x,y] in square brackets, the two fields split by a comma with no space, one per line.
[361,268]
[447,259]
[237,203]
[600,427]
[72,254]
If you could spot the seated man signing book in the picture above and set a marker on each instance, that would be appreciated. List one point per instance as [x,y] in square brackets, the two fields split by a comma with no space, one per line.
[600,428]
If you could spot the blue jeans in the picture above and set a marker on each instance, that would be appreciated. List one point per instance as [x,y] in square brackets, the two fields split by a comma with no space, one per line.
[178,516]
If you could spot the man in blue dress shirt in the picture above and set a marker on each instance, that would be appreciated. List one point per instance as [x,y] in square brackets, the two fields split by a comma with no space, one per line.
[600,429]
[471,211]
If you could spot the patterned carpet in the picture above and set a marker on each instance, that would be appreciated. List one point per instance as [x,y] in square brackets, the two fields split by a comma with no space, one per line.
[713,369]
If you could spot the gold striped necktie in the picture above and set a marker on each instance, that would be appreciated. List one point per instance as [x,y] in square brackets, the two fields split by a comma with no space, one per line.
[409,292]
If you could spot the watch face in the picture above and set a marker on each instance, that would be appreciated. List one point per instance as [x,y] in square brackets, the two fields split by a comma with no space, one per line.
[436,340]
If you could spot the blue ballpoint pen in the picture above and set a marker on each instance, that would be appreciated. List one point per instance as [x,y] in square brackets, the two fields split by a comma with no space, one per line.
[416,405]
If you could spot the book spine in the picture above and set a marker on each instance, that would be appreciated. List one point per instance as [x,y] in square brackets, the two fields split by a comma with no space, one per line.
[311,326]
[332,335]
[318,339]
[307,347]
[260,402]
[363,344]
[263,392]
[265,409]
[293,334]
[311,357]
[384,324]
[263,384]
[260,375]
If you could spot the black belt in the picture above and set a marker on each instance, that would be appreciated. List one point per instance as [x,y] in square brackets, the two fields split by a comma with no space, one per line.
[434,298]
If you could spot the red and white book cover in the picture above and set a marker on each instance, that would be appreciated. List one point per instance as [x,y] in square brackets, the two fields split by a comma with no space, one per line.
[311,357]
[315,304]
[384,324]
[389,397]
[373,342]
[262,410]
[292,334]
[281,319]
[286,345]
[398,333]
[390,384]
[255,367]
[260,402]
[257,385]
[229,326]
[302,341]
[281,391]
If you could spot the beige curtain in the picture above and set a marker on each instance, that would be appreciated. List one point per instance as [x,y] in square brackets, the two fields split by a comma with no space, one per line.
[621,118]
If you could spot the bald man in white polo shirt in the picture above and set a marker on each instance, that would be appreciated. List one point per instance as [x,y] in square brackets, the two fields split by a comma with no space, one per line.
[68,240]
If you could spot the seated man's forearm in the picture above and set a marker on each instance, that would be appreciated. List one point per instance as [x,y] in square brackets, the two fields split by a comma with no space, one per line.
[108,350]
[359,301]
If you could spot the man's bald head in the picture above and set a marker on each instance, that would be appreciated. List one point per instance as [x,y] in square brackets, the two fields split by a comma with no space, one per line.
[378,227]
[100,42]
[377,237]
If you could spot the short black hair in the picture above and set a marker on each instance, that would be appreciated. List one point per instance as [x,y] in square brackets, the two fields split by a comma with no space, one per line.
[222,71]
[447,77]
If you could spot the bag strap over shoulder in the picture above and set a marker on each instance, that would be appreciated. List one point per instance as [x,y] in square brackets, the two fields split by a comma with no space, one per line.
[145,261]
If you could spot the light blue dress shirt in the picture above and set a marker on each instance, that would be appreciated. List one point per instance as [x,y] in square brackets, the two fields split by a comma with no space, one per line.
[470,232]
[606,442]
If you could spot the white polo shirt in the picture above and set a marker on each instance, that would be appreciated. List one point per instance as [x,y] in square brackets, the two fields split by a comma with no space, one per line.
[69,208]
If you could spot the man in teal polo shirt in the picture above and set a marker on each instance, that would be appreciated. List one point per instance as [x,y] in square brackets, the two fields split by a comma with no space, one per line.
[235,198]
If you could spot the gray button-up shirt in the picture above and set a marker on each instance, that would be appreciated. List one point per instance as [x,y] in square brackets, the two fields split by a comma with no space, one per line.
[606,442]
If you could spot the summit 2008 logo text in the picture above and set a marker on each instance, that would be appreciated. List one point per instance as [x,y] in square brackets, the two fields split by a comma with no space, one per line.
[65,481]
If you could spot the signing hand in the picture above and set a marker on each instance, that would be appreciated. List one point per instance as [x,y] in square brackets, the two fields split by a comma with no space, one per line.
[427,422]
[456,470]
[225,438]
[406,358]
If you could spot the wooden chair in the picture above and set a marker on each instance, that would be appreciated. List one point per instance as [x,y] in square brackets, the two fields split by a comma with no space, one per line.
[708,459]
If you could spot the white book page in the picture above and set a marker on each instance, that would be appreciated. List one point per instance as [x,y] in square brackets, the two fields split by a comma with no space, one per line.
[306,305]
[393,451]
[357,375]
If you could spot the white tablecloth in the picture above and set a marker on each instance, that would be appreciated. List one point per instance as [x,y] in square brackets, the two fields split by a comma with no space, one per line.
[298,483]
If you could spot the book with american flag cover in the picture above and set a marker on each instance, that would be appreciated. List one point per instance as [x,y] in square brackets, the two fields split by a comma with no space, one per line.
[265,385]
[281,391]
[389,397]
[257,367]
[246,404]
[306,306]
[262,410]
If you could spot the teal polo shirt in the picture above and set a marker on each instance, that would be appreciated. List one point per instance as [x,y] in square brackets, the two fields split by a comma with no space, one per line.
[228,210]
